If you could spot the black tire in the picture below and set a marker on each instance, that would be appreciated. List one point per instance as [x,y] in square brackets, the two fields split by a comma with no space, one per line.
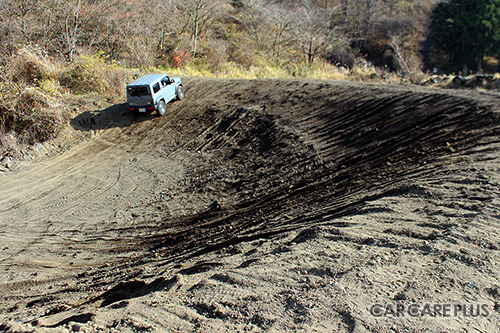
[162,108]
[180,92]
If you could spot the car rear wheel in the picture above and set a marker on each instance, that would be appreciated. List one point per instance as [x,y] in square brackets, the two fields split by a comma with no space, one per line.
[180,92]
[162,108]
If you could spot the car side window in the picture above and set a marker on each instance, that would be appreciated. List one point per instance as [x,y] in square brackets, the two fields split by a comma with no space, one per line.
[165,82]
[156,87]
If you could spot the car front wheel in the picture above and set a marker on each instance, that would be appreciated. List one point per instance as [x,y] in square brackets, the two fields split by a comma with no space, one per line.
[180,92]
[162,108]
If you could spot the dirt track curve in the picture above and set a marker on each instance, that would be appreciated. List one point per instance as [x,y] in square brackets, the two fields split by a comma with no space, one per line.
[241,170]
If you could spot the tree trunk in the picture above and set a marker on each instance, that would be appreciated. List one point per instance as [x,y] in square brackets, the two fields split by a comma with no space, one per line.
[310,56]
[195,38]
[480,65]
[345,10]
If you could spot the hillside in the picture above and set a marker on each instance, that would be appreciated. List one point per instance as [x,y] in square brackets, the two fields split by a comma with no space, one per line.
[256,205]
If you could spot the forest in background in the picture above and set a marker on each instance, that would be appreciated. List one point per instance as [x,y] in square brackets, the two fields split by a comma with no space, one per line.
[55,48]
[392,34]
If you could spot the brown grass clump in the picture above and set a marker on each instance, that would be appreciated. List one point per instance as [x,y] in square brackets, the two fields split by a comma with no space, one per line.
[28,110]
[29,120]
[30,66]
[34,89]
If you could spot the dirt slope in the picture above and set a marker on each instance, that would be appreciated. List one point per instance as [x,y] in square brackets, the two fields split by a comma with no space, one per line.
[259,205]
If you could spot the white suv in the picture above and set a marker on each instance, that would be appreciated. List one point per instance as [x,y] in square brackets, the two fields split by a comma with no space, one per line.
[153,92]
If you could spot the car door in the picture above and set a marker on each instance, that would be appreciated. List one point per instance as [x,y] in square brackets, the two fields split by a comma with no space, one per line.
[157,92]
[168,89]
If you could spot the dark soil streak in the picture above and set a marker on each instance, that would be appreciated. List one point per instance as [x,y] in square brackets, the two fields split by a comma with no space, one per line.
[262,158]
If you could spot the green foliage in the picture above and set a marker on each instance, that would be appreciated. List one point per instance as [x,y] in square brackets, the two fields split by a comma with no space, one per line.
[465,31]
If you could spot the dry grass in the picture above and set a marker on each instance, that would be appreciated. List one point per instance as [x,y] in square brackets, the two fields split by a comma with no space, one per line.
[32,118]
[91,74]
[34,89]
[260,68]
[263,68]
[29,112]
[30,66]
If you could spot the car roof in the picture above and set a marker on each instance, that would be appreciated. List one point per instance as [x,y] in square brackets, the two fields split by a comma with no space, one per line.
[147,79]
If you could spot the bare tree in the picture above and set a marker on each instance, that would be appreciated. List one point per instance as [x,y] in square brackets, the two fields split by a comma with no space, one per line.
[147,32]
[201,15]
[277,22]
[283,22]
[252,17]
[162,29]
[16,21]
[313,31]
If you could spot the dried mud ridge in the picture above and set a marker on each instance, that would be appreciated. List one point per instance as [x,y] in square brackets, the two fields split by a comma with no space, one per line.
[236,161]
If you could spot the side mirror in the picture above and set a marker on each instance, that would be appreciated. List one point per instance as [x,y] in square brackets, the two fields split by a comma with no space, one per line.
[172,81]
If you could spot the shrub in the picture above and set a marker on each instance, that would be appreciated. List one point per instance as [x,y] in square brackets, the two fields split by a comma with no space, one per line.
[32,118]
[32,87]
[179,58]
[30,66]
[28,117]
[91,74]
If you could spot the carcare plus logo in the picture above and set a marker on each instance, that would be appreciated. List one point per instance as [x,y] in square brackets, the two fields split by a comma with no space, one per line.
[438,310]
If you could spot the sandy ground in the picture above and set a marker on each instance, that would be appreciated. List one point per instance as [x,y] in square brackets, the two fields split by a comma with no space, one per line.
[263,205]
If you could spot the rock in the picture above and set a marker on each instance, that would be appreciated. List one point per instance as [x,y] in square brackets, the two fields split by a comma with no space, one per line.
[400,297]
[76,327]
[493,84]
[6,162]
[475,82]
[458,81]
[214,205]
[471,285]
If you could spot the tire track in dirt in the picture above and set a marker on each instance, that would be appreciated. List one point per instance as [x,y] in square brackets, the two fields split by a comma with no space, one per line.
[332,126]
[236,161]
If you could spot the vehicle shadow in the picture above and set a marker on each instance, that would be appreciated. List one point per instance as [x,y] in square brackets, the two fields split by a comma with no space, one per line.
[112,117]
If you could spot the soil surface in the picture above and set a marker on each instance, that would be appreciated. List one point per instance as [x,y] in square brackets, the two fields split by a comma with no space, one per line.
[261,205]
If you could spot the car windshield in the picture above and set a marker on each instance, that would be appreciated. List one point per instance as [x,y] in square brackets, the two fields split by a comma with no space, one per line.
[138,91]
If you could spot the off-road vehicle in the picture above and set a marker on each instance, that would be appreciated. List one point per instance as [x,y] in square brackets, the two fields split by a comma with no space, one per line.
[152,93]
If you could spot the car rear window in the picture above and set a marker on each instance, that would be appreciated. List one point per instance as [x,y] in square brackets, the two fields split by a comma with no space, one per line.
[138,91]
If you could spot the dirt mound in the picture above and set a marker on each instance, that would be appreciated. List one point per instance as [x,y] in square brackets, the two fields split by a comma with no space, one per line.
[337,189]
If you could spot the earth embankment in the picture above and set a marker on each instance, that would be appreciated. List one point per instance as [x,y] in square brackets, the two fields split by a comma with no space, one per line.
[347,187]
